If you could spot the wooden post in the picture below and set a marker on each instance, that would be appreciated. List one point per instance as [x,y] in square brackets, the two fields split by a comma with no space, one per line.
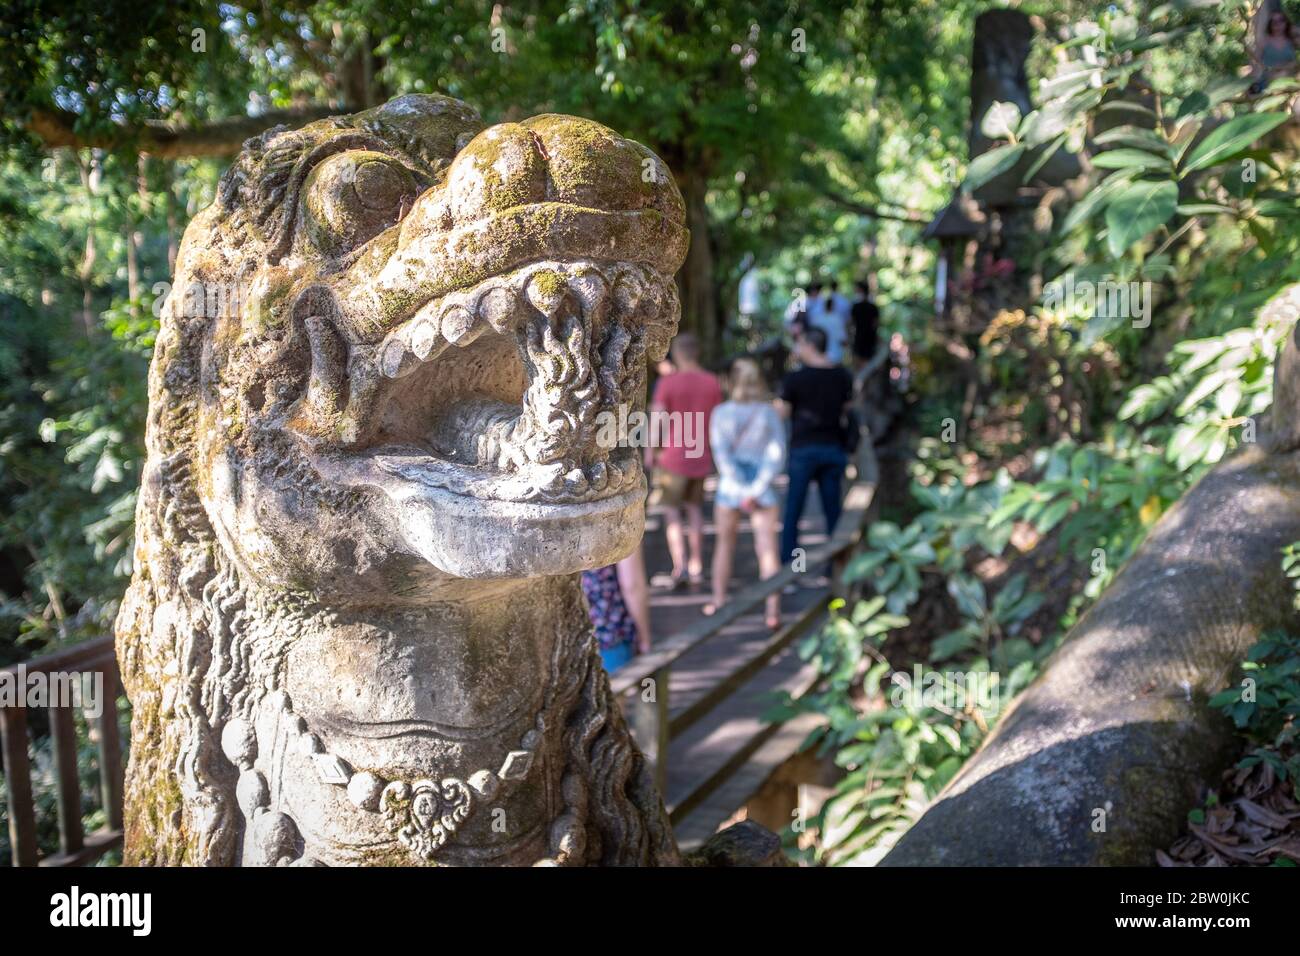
[110,750]
[63,734]
[18,784]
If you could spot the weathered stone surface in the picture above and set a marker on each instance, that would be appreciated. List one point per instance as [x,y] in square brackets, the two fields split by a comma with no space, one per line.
[373,472]
[1117,731]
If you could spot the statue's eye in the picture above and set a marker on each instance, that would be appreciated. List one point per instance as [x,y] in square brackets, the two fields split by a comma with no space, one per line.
[352,197]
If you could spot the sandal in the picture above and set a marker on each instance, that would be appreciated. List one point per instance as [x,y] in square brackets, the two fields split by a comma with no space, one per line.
[668,582]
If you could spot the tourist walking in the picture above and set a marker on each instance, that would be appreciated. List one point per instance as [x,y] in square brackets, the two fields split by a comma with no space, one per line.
[684,402]
[815,396]
[617,636]
[865,319]
[747,437]
[830,312]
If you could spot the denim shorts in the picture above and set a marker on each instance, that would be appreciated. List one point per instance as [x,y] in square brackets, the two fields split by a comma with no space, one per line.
[729,493]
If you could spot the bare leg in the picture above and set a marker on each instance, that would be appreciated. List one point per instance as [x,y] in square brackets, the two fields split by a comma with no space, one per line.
[695,537]
[769,559]
[724,550]
[673,531]
[636,594]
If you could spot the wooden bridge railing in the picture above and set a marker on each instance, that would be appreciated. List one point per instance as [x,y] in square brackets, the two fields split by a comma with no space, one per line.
[76,847]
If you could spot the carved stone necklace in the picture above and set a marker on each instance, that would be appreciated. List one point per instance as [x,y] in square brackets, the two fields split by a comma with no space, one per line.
[422,814]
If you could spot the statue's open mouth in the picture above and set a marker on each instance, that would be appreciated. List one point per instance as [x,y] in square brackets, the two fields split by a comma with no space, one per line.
[524,375]
[504,408]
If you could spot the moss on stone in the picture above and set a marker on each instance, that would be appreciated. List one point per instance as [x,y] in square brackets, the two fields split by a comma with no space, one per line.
[549,283]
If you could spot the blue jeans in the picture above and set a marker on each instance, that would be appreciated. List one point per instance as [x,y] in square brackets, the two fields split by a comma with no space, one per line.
[825,465]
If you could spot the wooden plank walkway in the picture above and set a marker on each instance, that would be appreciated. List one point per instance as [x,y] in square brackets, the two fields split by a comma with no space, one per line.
[721,750]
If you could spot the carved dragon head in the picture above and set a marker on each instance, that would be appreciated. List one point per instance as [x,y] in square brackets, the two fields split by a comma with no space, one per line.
[380,378]
[423,323]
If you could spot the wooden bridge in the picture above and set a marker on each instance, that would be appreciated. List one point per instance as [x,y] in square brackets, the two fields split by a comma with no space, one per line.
[699,696]
[695,702]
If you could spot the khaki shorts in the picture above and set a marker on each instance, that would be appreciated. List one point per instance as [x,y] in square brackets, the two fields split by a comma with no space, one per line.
[672,490]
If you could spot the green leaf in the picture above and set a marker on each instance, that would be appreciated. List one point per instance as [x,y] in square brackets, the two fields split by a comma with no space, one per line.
[1135,136]
[1204,209]
[1205,387]
[1044,156]
[1262,235]
[1000,120]
[950,736]
[1232,137]
[1128,158]
[1053,515]
[1195,103]
[951,643]
[1277,208]
[988,166]
[1127,106]
[1095,199]
[1225,698]
[1141,208]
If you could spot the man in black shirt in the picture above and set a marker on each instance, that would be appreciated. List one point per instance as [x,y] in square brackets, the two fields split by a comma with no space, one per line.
[814,396]
[865,316]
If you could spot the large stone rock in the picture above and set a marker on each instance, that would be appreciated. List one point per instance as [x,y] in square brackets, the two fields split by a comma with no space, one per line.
[355,633]
[1101,758]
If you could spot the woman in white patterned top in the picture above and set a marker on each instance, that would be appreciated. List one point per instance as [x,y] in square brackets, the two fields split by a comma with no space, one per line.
[747,437]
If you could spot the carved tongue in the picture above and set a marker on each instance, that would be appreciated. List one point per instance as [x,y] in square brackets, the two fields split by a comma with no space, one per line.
[489,433]
[460,435]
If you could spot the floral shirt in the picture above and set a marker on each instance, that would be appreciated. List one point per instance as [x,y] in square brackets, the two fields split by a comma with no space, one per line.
[609,614]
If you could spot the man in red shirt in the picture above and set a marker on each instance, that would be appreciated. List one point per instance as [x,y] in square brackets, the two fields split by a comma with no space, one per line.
[680,410]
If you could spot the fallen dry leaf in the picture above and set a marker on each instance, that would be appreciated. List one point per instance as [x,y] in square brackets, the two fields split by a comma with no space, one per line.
[1255,822]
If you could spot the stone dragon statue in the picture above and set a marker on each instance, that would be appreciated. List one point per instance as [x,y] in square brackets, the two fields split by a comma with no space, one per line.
[355,634]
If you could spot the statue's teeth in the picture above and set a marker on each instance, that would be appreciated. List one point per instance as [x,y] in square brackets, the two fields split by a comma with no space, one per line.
[575,481]
[459,327]
[598,476]
[424,335]
[556,480]
[498,307]
[396,359]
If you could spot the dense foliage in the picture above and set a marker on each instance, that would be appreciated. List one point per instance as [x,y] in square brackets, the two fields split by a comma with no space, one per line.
[1190,202]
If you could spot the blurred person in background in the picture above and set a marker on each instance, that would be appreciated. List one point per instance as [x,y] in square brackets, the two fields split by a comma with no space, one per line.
[815,396]
[619,608]
[685,401]
[1274,53]
[747,437]
[865,321]
[831,312]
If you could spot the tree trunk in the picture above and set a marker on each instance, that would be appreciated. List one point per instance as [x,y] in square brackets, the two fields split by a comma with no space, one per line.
[219,137]
[90,175]
[135,237]
[169,193]
[696,281]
